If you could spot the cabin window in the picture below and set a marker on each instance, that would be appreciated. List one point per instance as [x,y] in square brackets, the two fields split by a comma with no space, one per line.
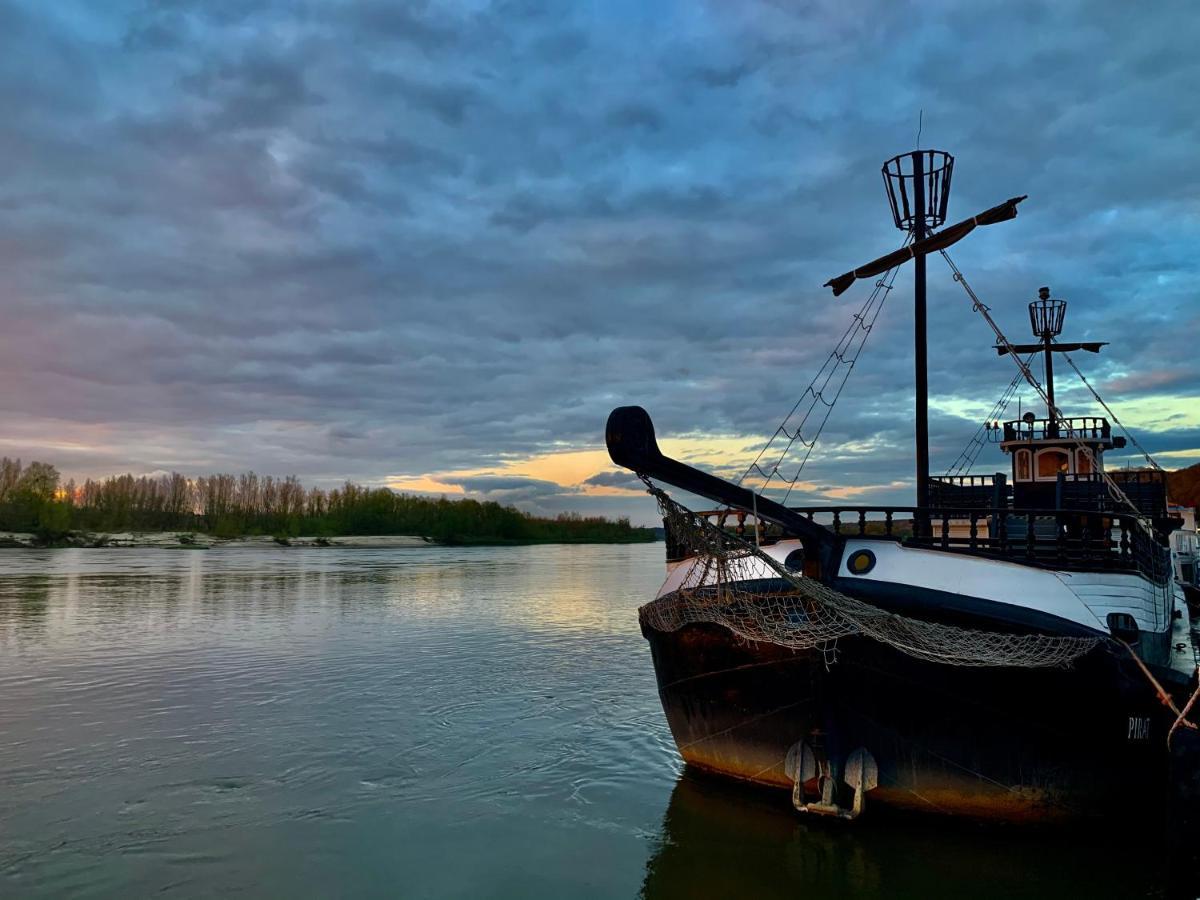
[1050,463]
[1083,463]
[1022,465]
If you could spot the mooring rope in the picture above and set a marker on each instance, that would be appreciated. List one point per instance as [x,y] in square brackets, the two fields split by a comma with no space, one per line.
[1182,718]
[1163,697]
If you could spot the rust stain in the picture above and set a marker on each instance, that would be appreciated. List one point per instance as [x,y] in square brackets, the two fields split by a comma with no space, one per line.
[1018,805]
[758,768]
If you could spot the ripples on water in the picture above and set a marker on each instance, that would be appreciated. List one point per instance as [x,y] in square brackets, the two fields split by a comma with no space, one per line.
[427,722]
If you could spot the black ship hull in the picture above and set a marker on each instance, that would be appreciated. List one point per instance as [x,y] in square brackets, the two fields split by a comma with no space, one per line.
[994,743]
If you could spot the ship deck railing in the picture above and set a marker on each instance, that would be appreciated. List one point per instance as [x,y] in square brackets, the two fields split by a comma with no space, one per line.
[1080,428]
[1063,539]
[1145,488]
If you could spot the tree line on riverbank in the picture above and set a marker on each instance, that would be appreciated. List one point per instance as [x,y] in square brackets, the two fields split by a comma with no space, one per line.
[1183,485]
[33,498]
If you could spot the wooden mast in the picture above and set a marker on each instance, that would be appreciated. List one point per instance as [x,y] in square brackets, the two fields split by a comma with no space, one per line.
[920,340]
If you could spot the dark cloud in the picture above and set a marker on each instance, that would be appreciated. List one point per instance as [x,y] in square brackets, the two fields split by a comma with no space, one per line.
[490,484]
[533,494]
[372,239]
[722,76]
[615,479]
[635,116]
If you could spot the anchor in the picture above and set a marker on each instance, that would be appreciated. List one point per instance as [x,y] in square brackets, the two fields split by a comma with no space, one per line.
[802,764]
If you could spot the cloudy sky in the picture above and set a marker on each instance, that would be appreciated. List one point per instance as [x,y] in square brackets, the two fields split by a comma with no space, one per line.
[432,245]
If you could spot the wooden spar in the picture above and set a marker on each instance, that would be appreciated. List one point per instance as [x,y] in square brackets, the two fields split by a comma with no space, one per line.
[939,240]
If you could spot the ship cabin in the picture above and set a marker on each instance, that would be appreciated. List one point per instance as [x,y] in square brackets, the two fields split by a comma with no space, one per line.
[1054,462]
[1054,465]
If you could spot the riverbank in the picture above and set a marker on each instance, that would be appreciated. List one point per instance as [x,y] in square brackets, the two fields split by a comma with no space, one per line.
[172,510]
[199,541]
[194,541]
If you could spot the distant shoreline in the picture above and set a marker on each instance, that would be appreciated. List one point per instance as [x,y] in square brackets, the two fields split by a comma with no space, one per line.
[169,540]
[37,510]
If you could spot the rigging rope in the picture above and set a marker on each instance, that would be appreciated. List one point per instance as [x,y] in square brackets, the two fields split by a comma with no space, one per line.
[843,358]
[979,307]
[970,453]
[1111,414]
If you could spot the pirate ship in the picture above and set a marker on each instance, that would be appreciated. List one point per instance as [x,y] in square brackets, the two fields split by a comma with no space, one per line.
[1011,647]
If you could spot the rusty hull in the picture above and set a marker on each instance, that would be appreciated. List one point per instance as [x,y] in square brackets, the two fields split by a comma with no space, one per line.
[1004,744]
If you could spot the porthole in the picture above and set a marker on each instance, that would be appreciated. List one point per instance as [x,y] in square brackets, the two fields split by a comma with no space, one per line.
[861,562]
[795,560]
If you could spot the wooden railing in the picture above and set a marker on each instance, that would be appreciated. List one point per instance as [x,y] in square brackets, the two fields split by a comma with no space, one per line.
[1146,489]
[969,490]
[1084,428]
[1059,539]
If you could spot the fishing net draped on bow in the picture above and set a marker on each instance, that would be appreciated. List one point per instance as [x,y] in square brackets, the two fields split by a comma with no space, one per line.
[733,583]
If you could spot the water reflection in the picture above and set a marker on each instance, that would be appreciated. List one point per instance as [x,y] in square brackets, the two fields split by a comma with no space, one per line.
[721,839]
[558,590]
[327,722]
[23,607]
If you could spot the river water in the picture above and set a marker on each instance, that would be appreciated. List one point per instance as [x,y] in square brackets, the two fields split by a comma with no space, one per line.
[426,722]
